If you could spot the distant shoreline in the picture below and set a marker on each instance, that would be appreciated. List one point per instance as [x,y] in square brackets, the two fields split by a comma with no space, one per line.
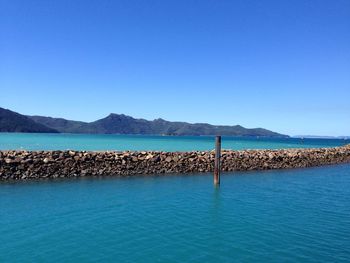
[24,165]
[321,137]
[185,135]
[165,135]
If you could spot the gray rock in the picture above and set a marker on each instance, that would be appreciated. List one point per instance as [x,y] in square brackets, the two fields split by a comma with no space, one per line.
[43,164]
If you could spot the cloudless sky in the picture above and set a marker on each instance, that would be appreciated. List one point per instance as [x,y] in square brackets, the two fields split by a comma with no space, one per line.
[281,65]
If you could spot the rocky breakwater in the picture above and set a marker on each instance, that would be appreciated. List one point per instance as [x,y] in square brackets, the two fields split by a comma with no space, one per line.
[52,164]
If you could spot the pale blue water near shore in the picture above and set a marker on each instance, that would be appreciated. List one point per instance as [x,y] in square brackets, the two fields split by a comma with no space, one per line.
[300,215]
[39,141]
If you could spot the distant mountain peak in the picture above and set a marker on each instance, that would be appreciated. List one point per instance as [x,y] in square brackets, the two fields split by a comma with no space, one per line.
[116,115]
[159,120]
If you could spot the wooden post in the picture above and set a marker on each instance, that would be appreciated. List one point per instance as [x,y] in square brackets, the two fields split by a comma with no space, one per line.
[217,160]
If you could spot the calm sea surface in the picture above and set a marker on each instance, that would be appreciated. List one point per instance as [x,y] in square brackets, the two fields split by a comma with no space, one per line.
[37,141]
[300,215]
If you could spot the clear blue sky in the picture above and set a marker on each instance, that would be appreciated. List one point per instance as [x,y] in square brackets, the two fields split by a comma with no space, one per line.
[281,65]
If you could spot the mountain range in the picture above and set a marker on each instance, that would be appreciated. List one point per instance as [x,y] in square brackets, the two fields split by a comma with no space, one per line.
[121,124]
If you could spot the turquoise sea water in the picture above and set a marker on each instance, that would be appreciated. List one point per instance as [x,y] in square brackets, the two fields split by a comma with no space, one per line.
[300,215]
[37,141]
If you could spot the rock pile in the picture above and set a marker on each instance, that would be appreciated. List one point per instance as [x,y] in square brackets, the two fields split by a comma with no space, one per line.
[53,164]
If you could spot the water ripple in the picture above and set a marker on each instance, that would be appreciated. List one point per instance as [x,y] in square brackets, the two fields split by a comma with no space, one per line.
[272,216]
